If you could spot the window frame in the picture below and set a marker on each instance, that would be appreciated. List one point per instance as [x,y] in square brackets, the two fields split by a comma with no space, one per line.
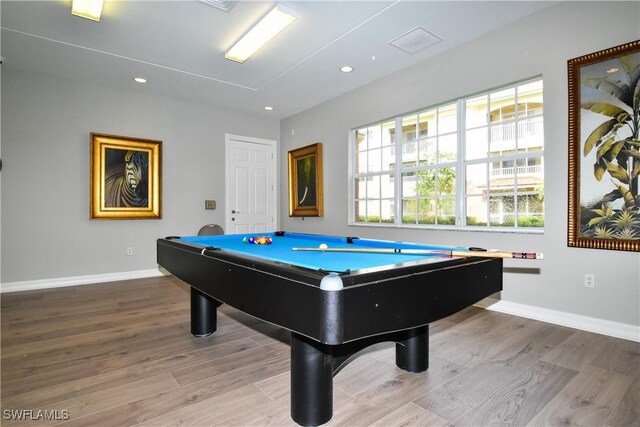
[460,165]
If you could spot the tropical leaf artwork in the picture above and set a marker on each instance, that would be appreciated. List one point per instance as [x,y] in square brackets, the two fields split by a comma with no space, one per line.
[611,101]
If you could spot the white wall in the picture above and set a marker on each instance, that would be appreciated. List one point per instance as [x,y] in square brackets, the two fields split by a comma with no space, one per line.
[46,121]
[540,44]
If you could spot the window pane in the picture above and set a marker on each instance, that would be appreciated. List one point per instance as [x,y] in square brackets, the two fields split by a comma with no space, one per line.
[477,144]
[373,210]
[447,119]
[409,128]
[476,211]
[426,183]
[361,188]
[502,210]
[502,138]
[447,181]
[408,185]
[428,126]
[361,140]
[426,211]
[446,211]
[409,211]
[386,211]
[502,105]
[387,186]
[374,136]
[476,179]
[530,99]
[448,148]
[388,158]
[389,133]
[428,151]
[373,187]
[409,153]
[530,210]
[476,111]
[375,160]
[530,134]
[360,212]
[361,166]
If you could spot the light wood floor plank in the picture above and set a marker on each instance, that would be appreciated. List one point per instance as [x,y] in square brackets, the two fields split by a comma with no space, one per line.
[411,415]
[589,399]
[627,413]
[164,403]
[520,399]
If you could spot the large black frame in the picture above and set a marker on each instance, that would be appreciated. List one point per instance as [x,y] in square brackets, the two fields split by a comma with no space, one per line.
[329,326]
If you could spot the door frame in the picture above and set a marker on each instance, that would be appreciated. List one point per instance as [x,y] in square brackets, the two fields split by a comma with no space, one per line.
[229,138]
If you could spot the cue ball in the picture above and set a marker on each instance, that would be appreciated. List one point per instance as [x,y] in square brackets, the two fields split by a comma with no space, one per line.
[323,246]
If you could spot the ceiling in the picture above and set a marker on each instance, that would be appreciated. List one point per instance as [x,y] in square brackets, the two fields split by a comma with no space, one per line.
[178,46]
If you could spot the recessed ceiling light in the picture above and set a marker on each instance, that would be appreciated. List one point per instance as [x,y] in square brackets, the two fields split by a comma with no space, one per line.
[612,70]
[89,9]
[269,27]
[140,80]
[268,108]
[346,69]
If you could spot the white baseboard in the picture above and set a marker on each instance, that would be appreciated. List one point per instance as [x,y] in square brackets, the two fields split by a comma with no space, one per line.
[61,282]
[576,321]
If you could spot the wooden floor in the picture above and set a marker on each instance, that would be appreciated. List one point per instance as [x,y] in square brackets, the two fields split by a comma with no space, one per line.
[121,354]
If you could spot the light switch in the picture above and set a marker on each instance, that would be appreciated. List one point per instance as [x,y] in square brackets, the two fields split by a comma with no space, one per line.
[209,204]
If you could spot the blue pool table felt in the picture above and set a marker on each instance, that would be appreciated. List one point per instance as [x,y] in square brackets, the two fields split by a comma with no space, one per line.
[280,250]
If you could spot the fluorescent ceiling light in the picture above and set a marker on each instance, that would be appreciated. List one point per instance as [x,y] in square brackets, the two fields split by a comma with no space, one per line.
[90,9]
[275,21]
[346,68]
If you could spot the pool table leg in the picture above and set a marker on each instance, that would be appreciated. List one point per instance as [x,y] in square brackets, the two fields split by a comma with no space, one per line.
[311,381]
[203,314]
[412,352]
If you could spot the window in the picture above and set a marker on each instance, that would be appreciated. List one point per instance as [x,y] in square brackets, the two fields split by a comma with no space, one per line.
[476,162]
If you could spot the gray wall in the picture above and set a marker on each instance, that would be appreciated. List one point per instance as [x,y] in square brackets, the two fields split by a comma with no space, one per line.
[46,121]
[540,44]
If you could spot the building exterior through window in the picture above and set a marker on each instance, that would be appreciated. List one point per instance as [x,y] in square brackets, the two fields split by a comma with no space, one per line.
[475,162]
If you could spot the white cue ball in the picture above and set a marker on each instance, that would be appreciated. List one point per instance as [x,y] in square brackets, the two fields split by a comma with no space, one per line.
[323,246]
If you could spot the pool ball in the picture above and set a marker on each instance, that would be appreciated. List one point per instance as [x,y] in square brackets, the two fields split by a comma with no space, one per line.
[245,240]
[251,240]
[267,240]
[262,240]
[323,246]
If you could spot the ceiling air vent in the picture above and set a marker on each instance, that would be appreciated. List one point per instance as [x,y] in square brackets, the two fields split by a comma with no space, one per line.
[225,5]
[415,40]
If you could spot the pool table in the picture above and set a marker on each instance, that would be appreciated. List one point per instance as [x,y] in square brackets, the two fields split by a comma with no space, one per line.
[334,304]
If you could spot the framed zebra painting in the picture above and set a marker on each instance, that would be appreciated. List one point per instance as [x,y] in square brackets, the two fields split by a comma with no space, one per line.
[126,177]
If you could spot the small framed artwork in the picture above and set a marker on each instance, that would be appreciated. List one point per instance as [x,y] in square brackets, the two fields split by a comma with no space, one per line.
[125,177]
[305,181]
[604,149]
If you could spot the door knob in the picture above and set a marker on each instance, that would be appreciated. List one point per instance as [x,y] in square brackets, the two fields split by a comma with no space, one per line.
[234,211]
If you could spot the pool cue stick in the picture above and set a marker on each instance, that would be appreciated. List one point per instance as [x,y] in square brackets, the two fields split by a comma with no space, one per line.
[476,253]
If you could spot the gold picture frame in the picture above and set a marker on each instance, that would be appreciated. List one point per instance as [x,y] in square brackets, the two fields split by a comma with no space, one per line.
[125,177]
[604,149]
[305,181]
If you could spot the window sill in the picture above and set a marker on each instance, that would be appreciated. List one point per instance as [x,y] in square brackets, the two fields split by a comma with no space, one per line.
[450,228]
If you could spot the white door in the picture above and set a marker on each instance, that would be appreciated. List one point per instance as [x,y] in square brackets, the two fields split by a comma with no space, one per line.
[251,192]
